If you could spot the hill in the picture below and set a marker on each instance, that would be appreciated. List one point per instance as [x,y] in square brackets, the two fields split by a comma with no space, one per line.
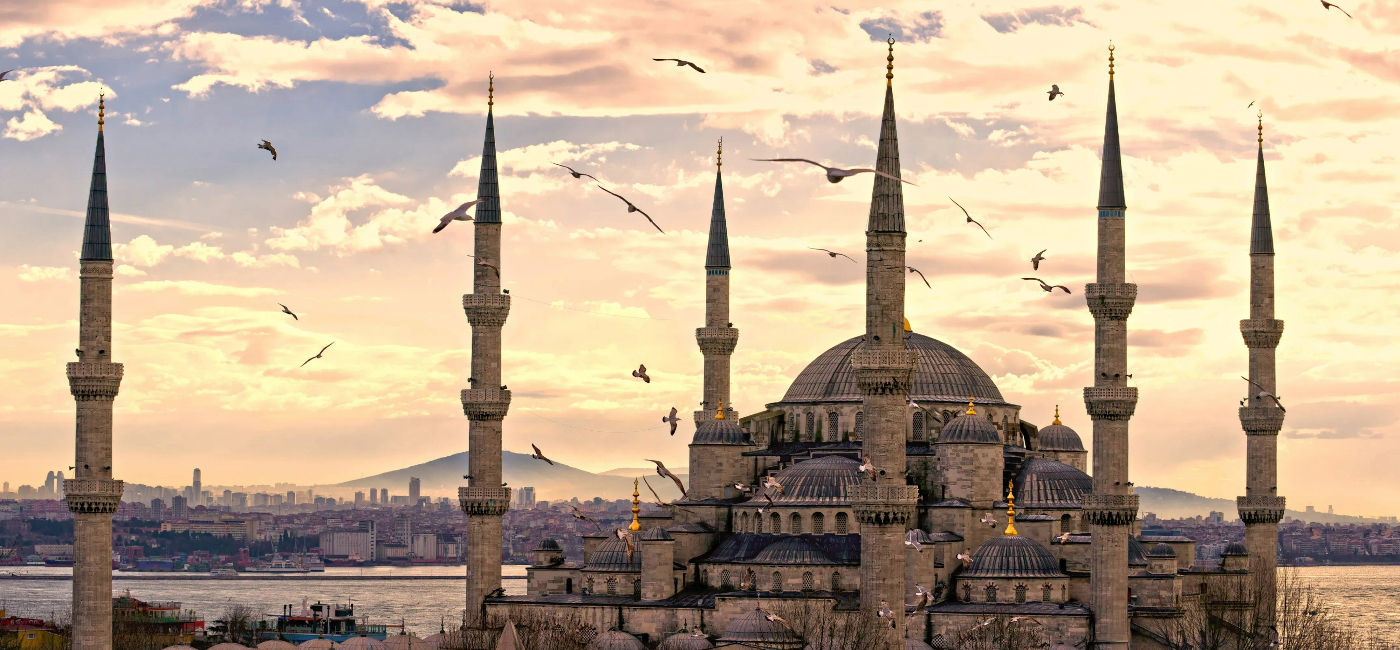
[1176,504]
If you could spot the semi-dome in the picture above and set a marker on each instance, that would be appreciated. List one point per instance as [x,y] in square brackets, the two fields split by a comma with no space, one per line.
[656,535]
[548,544]
[1044,483]
[754,627]
[1137,553]
[278,644]
[1012,556]
[797,549]
[942,373]
[407,642]
[970,428]
[615,640]
[821,480]
[1235,548]
[317,644]
[1161,550]
[1058,437]
[714,431]
[686,641]
[361,643]
[611,555]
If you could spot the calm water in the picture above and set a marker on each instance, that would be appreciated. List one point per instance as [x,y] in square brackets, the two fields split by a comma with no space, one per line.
[1369,596]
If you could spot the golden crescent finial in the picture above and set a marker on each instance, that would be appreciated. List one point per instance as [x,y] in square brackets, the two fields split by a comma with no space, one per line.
[1057,414]
[1261,127]
[636,525]
[1110,59]
[490,89]
[101,110]
[889,63]
[1010,508]
[719,153]
[970,410]
[719,412]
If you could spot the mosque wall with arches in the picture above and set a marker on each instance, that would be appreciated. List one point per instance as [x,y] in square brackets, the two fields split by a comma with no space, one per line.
[845,422]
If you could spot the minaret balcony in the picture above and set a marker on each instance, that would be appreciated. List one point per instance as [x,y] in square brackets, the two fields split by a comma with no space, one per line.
[93,495]
[1110,509]
[717,340]
[1110,402]
[1261,420]
[1111,301]
[884,371]
[94,380]
[1260,509]
[1261,332]
[486,309]
[485,403]
[883,504]
[484,501]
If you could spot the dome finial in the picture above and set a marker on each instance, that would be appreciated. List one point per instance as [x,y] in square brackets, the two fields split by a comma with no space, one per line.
[490,90]
[970,410]
[1057,415]
[636,525]
[101,110]
[907,328]
[889,65]
[1110,59]
[1261,127]
[1010,508]
[719,411]
[719,153]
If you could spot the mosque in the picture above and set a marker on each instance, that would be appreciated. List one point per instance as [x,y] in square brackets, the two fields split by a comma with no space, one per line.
[902,467]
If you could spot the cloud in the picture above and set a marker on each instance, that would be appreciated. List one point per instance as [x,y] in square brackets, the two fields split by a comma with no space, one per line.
[32,126]
[918,28]
[250,260]
[1339,419]
[198,288]
[541,158]
[821,67]
[200,252]
[1006,23]
[29,273]
[329,226]
[61,20]
[142,251]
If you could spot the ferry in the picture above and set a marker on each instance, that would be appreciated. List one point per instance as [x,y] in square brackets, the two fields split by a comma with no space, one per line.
[223,573]
[319,621]
[287,565]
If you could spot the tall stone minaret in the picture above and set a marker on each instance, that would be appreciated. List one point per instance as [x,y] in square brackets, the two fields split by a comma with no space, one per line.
[1261,508]
[486,400]
[1112,507]
[92,493]
[884,372]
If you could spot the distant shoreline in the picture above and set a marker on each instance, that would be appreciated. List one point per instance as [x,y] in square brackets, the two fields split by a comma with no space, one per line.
[176,575]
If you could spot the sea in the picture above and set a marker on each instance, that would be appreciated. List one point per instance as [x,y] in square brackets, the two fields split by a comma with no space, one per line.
[426,599]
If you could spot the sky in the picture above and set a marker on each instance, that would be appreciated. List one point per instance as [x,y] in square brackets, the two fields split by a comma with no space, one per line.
[377,110]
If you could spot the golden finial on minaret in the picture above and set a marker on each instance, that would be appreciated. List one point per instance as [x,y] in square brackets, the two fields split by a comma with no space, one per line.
[889,65]
[1110,59]
[719,412]
[906,325]
[1010,509]
[636,524]
[1261,126]
[1057,415]
[101,110]
[490,89]
[719,153]
[970,410]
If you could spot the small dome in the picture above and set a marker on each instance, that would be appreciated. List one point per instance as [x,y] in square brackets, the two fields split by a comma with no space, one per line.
[755,627]
[407,642]
[821,480]
[915,644]
[920,536]
[1044,483]
[436,640]
[940,642]
[548,544]
[1161,550]
[611,555]
[1235,548]
[655,534]
[276,645]
[712,431]
[686,641]
[797,549]
[1137,553]
[970,429]
[317,644]
[1012,556]
[361,643]
[1058,437]
[615,640]
[229,646]
[941,373]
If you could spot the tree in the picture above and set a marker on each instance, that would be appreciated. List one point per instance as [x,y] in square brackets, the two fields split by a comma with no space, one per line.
[1002,633]
[534,629]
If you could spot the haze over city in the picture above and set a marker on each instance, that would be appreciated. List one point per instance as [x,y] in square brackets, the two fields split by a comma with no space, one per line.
[377,112]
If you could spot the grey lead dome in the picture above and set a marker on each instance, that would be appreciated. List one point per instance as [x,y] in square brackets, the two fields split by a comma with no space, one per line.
[942,373]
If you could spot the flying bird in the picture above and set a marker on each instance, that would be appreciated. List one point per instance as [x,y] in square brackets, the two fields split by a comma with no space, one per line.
[1054,92]
[632,208]
[989,520]
[921,275]
[270,149]
[672,419]
[1328,5]
[538,455]
[626,536]
[970,219]
[578,514]
[658,501]
[1049,287]
[1063,538]
[287,311]
[460,214]
[641,373]
[1035,261]
[497,592]
[911,539]
[922,599]
[576,174]
[1263,394]
[965,559]
[1018,619]
[318,354]
[666,473]
[743,488]
[1251,104]
[771,483]
[2,74]
[489,265]
[834,174]
[867,468]
[833,253]
[769,497]
[774,618]
[681,62]
[886,612]
[747,582]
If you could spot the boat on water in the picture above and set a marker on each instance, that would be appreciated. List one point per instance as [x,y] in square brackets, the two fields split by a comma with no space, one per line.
[223,573]
[287,565]
[319,621]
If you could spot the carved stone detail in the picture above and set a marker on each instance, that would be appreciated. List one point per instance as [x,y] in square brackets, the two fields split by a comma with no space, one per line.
[1261,509]
[1110,402]
[1261,420]
[484,501]
[1110,509]
[94,380]
[1110,301]
[883,505]
[93,495]
[486,309]
[1261,332]
[717,340]
[884,371]
[485,403]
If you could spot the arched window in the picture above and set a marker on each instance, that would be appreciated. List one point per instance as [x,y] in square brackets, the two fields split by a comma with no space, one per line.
[1006,428]
[991,593]
[832,423]
[724,582]
[818,523]
[777,523]
[811,426]
[795,526]
[1064,592]
[568,585]
[967,592]
[860,423]
[777,581]
[918,424]
[744,523]
[612,586]
[841,523]
[758,523]
[590,586]
[705,577]
[836,581]
[636,587]
[1045,593]
[808,581]
[1020,593]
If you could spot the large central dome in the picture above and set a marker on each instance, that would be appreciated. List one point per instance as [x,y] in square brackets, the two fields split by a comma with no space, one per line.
[943,374]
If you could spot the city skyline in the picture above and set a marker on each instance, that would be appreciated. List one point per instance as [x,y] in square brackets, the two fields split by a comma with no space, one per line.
[342,231]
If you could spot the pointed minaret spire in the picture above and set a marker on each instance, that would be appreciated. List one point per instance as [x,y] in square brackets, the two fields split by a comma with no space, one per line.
[1111,175]
[717,253]
[489,210]
[887,198]
[1261,240]
[97,231]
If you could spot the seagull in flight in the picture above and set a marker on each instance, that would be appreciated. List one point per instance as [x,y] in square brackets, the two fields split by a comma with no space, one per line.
[1063,538]
[885,612]
[270,149]
[832,253]
[748,580]
[771,483]
[1263,394]
[769,497]
[1049,287]
[1251,104]
[2,74]
[672,419]
[626,536]
[970,219]
[666,473]
[287,311]
[578,514]
[911,539]
[922,599]
[921,275]
[633,208]
[738,486]
[576,174]
[1328,5]
[965,559]
[989,520]
[1035,261]
[460,214]
[538,455]
[641,373]
[318,354]
[834,174]
[867,468]
[681,62]
[1054,92]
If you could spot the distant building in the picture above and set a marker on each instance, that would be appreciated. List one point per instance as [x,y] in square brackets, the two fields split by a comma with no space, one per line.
[373,496]
[525,498]
[291,498]
[424,546]
[359,499]
[414,485]
[179,508]
[384,496]
[361,542]
[239,529]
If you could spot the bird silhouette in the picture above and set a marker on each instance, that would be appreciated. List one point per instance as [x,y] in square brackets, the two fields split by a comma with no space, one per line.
[270,149]
[832,253]
[459,214]
[1054,92]
[911,539]
[1328,5]
[970,219]
[578,514]
[1035,261]
[633,208]
[666,473]
[835,174]
[318,354]
[1263,394]
[682,62]
[538,455]
[497,592]
[672,419]
[921,275]
[2,74]
[1049,287]
[287,311]
[576,174]
[641,373]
